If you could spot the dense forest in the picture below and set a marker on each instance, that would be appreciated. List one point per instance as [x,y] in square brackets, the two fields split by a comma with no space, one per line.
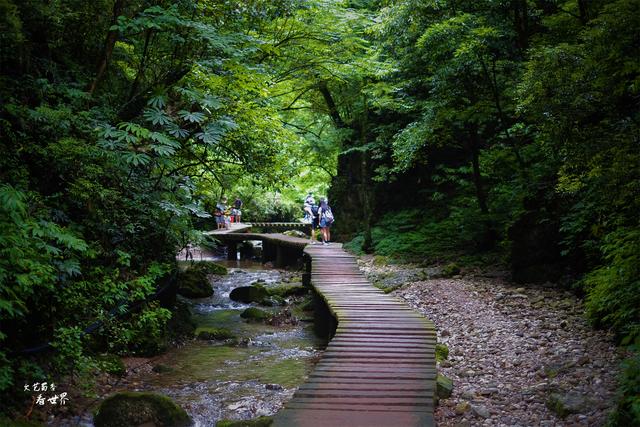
[481,132]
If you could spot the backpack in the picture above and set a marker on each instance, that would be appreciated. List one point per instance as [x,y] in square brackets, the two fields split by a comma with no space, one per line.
[314,210]
[328,216]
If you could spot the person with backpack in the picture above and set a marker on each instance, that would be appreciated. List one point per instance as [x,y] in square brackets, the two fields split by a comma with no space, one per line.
[326,220]
[309,201]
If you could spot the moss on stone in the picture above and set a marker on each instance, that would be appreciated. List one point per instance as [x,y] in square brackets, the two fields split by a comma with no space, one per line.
[442,352]
[256,422]
[450,270]
[249,294]
[134,409]
[204,333]
[193,283]
[254,314]
[209,268]
[380,260]
[284,291]
[162,369]
[444,387]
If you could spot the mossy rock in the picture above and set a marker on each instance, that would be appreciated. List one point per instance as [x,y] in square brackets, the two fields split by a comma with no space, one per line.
[111,364]
[273,301]
[214,334]
[284,291]
[380,260]
[162,369]
[256,422]
[308,305]
[208,267]
[181,325]
[194,283]
[135,409]
[255,314]
[450,270]
[442,352]
[444,387]
[249,294]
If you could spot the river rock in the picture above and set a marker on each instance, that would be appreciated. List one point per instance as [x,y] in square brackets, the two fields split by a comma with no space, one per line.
[135,409]
[249,294]
[480,411]
[254,314]
[564,404]
[193,283]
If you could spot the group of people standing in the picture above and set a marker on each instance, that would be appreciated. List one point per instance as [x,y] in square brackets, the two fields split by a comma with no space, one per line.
[319,216]
[226,214]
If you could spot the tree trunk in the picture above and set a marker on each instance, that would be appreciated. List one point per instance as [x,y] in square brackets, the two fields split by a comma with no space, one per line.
[521,23]
[107,51]
[331,105]
[474,148]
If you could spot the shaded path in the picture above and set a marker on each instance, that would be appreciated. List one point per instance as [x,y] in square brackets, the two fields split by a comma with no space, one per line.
[379,369]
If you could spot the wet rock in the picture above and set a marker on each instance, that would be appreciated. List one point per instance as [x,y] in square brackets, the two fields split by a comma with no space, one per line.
[273,387]
[255,314]
[249,294]
[193,283]
[160,369]
[134,409]
[209,334]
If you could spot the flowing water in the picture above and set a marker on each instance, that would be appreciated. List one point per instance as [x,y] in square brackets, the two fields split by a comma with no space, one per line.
[251,377]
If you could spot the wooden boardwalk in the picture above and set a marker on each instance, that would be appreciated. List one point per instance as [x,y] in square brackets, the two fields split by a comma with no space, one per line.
[379,369]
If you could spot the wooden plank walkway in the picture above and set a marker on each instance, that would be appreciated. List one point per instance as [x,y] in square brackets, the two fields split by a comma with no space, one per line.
[379,370]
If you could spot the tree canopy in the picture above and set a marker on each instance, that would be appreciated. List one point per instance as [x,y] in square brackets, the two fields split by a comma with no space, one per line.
[485,132]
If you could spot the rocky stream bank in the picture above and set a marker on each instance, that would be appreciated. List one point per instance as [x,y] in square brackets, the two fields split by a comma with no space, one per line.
[518,356]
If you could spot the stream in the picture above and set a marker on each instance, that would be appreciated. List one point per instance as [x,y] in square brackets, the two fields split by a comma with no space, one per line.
[250,377]
[242,378]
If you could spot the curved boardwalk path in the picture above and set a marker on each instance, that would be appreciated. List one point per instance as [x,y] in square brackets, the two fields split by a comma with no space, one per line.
[379,369]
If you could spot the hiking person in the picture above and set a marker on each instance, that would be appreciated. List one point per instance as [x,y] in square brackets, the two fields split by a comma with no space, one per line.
[325,220]
[309,201]
[220,211]
[236,213]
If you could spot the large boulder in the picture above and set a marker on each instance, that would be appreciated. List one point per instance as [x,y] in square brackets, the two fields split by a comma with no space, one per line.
[194,282]
[138,409]
[249,294]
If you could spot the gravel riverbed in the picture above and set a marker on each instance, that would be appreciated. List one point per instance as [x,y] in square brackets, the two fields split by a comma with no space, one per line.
[518,356]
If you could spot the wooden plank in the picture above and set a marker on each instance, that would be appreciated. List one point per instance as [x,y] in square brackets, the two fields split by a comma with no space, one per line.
[379,369]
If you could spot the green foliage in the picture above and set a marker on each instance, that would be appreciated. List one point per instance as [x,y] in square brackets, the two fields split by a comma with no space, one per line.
[627,411]
[612,290]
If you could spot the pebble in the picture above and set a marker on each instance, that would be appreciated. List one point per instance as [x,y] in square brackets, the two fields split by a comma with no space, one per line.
[510,347]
